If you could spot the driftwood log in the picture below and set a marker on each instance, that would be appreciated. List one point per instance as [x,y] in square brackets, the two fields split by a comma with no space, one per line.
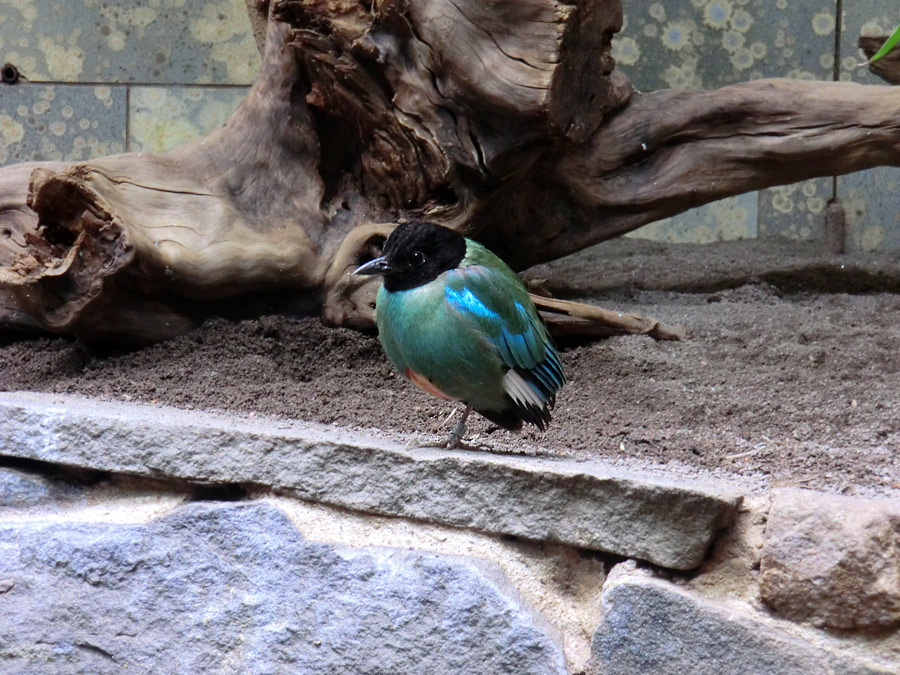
[504,119]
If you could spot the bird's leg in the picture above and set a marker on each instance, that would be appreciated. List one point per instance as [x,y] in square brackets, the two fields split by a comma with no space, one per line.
[459,430]
[444,422]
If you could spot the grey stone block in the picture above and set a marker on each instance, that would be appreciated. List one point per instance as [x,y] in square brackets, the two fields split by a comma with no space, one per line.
[704,45]
[26,489]
[588,505]
[869,200]
[20,489]
[234,588]
[653,626]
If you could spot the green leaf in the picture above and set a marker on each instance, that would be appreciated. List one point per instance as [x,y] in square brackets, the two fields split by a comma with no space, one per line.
[886,47]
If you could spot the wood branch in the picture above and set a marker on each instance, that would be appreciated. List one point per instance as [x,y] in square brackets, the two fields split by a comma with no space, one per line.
[504,120]
[18,225]
[588,321]
[888,66]
[350,300]
[670,151]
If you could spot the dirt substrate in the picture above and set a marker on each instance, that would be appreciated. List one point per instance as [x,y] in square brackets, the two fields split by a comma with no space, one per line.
[789,376]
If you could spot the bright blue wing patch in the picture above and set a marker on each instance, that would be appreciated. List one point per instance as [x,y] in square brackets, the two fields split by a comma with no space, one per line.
[467,301]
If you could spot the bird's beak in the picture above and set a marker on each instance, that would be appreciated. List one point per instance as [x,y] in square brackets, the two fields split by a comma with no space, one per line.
[377,266]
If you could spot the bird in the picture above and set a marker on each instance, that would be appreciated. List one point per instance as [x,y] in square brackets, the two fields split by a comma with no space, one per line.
[457,322]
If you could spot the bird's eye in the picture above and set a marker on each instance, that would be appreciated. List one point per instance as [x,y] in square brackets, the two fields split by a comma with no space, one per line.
[417,259]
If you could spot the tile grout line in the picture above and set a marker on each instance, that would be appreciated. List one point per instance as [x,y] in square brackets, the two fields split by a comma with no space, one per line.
[127,118]
[836,68]
[838,34]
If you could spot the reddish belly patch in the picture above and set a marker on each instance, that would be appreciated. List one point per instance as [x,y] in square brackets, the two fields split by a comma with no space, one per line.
[426,385]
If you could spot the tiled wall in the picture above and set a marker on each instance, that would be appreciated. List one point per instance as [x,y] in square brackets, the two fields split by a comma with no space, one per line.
[712,43]
[107,76]
[871,198]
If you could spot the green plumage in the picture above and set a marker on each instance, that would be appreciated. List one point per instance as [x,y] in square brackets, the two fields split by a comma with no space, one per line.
[466,330]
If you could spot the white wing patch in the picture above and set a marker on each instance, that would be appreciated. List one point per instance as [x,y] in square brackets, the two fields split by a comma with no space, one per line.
[520,391]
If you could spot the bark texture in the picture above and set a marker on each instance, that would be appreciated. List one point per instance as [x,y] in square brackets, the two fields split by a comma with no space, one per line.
[505,120]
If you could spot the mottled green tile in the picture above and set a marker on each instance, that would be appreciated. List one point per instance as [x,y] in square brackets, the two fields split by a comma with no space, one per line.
[706,44]
[795,211]
[804,42]
[869,197]
[150,41]
[163,117]
[724,220]
[872,209]
[65,122]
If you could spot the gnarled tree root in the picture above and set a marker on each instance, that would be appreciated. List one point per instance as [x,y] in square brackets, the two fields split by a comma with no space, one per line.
[504,120]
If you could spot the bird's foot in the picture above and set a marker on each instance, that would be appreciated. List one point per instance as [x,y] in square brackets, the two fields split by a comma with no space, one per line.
[462,445]
[452,443]
[422,442]
[456,442]
[456,436]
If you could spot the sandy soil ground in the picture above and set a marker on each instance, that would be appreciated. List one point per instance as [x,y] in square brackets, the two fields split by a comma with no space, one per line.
[789,375]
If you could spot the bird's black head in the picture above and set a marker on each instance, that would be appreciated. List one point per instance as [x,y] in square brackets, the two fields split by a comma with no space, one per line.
[416,253]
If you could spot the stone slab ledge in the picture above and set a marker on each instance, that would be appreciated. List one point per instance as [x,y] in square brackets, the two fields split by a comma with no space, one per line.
[590,505]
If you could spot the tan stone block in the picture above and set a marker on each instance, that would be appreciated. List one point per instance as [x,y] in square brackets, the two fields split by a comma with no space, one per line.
[833,561]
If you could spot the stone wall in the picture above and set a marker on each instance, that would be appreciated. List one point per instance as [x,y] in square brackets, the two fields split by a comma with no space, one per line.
[150,539]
